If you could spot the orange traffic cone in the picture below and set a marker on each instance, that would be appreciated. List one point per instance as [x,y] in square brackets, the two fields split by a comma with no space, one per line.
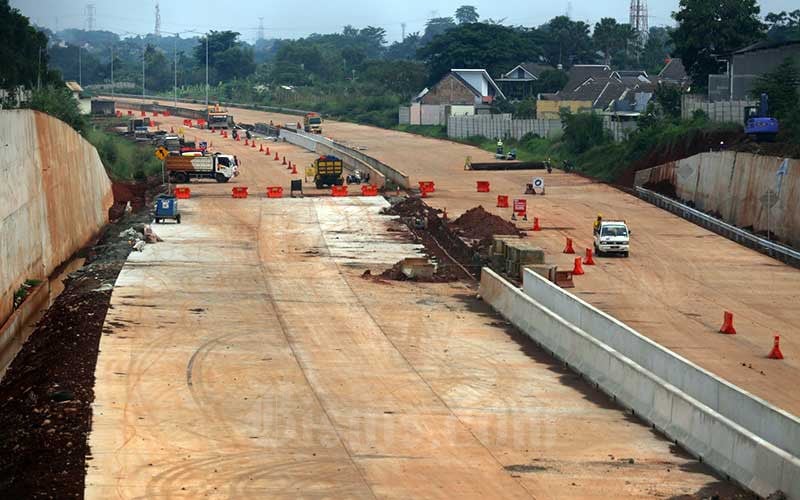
[211,144]
[294,169]
[267,150]
[577,269]
[568,248]
[253,144]
[589,259]
[260,148]
[776,353]
[277,158]
[536,226]
[727,324]
[284,160]
[172,130]
[246,142]
[289,166]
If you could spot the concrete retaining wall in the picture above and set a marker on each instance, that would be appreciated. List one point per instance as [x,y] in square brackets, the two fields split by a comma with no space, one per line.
[727,446]
[499,126]
[742,188]
[54,198]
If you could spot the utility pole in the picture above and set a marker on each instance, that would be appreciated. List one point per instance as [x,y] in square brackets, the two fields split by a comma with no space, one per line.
[39,71]
[80,70]
[403,28]
[260,28]
[144,51]
[157,31]
[175,67]
[112,71]
[89,16]
[206,70]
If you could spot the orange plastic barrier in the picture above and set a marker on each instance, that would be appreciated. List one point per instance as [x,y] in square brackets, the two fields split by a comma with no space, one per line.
[483,186]
[130,113]
[239,192]
[727,324]
[274,192]
[338,190]
[428,186]
[144,114]
[502,201]
[369,190]
[182,193]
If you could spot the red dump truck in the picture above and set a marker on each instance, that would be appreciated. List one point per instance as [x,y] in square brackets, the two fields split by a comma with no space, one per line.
[183,168]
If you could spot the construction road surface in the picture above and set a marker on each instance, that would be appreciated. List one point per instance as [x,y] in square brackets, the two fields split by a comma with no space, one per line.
[246,356]
[674,288]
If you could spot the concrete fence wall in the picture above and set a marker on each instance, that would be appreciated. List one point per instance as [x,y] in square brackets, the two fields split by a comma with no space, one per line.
[742,189]
[718,111]
[54,198]
[744,455]
[499,126]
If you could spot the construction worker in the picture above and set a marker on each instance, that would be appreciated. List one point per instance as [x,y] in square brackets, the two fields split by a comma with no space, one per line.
[597,223]
[500,146]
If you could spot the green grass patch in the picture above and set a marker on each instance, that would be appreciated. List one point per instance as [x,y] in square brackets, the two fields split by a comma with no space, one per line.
[124,159]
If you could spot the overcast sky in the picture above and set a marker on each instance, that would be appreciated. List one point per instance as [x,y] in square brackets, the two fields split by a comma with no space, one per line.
[297,19]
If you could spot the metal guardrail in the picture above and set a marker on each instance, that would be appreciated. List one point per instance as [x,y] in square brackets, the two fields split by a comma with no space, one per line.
[774,250]
[167,101]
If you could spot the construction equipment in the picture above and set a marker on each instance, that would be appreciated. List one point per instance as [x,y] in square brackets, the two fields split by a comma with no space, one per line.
[328,171]
[184,168]
[760,126]
[612,236]
[312,123]
[218,117]
[166,207]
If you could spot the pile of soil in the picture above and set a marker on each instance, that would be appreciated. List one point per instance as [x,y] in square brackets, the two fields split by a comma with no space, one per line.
[480,225]
[136,193]
[47,392]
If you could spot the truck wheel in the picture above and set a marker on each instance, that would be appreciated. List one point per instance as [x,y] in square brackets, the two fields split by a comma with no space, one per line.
[221,178]
[319,185]
[339,181]
[181,178]
[158,221]
[625,254]
[178,218]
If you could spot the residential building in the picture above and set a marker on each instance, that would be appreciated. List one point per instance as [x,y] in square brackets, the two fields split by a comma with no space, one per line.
[460,92]
[745,65]
[520,82]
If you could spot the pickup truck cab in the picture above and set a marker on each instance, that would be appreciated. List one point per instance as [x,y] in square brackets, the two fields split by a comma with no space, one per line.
[613,236]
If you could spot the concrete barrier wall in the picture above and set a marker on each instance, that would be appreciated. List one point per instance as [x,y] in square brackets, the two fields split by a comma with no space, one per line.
[722,443]
[742,188]
[770,423]
[54,198]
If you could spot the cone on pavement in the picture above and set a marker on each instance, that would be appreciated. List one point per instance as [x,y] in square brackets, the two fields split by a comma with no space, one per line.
[277,158]
[246,142]
[260,148]
[294,169]
[284,160]
[577,268]
[776,353]
[727,324]
[253,144]
[536,226]
[569,248]
[267,150]
[589,259]
[172,130]
[289,166]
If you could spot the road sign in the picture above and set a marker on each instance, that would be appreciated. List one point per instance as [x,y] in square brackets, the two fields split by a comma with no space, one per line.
[538,183]
[161,153]
[520,206]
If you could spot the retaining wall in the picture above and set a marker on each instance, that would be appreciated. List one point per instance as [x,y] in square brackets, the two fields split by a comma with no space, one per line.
[54,198]
[742,188]
[745,456]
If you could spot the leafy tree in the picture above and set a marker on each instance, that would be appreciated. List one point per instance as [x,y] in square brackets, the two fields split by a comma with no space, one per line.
[402,77]
[551,80]
[612,38]
[668,99]
[467,14]
[781,85]
[783,26]
[525,109]
[226,55]
[710,27]
[567,42]
[57,100]
[158,70]
[583,131]
[485,46]
[406,49]
[20,52]
[657,49]
[437,26]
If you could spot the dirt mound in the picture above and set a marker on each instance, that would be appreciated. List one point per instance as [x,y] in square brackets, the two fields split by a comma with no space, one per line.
[444,274]
[478,224]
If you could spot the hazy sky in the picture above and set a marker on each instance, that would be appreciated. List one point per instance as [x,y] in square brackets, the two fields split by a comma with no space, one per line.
[295,19]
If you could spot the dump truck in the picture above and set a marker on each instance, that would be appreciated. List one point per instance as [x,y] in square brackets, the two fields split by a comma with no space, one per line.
[183,168]
[612,236]
[328,171]
[218,118]
[138,128]
[312,123]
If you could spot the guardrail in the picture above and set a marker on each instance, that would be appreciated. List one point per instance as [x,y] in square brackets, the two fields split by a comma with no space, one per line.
[165,99]
[708,433]
[774,250]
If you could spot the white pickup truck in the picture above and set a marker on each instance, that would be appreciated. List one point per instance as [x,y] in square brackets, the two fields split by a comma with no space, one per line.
[613,236]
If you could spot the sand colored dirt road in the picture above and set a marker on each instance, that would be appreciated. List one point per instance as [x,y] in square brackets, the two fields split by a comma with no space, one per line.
[246,357]
[674,288]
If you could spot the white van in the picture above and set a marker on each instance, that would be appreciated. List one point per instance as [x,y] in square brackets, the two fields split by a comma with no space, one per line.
[613,236]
